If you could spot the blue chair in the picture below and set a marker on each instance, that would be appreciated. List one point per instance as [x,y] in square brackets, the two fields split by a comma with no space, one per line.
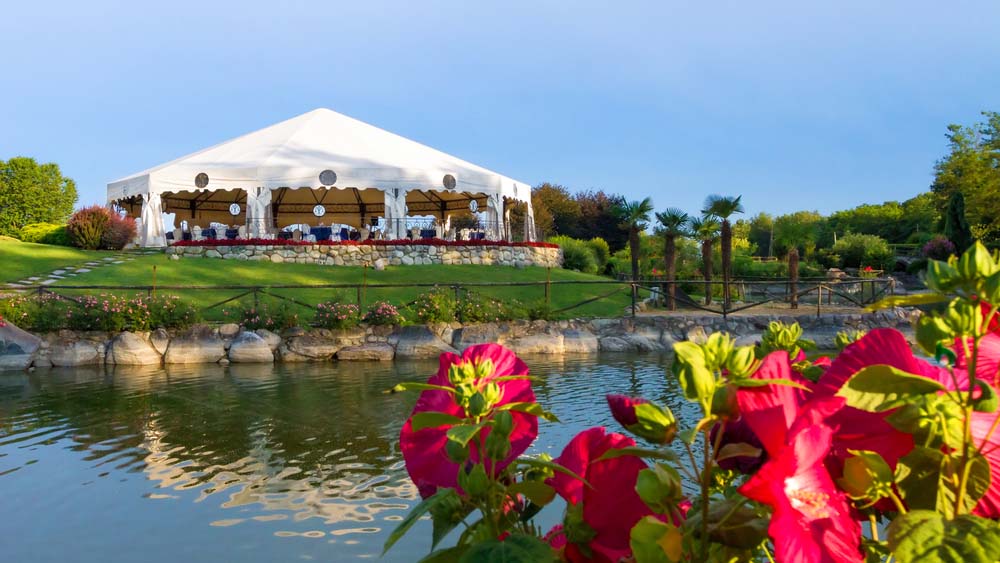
[186,235]
[170,235]
[232,234]
[284,235]
[427,233]
[209,234]
[322,233]
[345,234]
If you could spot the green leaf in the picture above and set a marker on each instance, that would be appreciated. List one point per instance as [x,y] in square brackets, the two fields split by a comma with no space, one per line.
[987,401]
[462,433]
[433,419]
[449,555]
[925,536]
[649,453]
[748,382]
[514,549]
[543,464]
[653,541]
[737,449]
[447,513]
[535,491]
[908,301]
[503,378]
[415,386]
[696,379]
[415,513]
[529,408]
[876,388]
[732,523]
[917,475]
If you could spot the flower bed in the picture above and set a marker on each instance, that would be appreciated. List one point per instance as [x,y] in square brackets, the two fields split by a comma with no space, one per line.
[400,242]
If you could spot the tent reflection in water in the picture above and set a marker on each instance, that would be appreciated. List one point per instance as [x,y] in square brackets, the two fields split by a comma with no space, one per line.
[320,166]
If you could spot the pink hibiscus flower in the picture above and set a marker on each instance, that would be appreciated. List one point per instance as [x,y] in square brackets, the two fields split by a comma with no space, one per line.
[611,507]
[424,451]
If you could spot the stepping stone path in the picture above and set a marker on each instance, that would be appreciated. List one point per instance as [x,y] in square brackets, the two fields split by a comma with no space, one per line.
[72,271]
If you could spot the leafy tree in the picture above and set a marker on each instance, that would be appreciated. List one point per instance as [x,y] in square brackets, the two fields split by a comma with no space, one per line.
[673,224]
[724,207]
[972,167]
[797,230]
[33,193]
[632,217]
[559,212]
[598,218]
[762,233]
[706,230]
[956,226]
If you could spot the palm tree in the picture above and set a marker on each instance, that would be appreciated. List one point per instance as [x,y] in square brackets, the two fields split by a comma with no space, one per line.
[706,230]
[673,224]
[633,216]
[723,207]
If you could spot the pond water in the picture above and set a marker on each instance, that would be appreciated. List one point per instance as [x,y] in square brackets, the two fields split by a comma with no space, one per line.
[248,463]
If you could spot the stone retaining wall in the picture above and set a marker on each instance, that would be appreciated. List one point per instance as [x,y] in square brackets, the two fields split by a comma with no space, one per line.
[229,343]
[380,255]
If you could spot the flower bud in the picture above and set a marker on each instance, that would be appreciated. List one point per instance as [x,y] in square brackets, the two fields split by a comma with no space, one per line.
[643,418]
[740,361]
[477,405]
[492,393]
[503,423]
[456,452]
[724,403]
[474,482]
[497,446]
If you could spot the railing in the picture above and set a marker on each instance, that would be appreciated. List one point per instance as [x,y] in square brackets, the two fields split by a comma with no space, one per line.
[905,250]
[745,294]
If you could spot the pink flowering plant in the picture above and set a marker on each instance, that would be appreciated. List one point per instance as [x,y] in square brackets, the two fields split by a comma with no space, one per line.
[381,313]
[874,454]
[48,312]
[435,306]
[336,315]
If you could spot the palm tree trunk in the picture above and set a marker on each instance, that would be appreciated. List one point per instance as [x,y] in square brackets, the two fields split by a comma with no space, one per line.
[633,243]
[727,256]
[670,270]
[706,268]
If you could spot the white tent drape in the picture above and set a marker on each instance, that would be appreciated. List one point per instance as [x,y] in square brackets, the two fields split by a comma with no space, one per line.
[258,212]
[395,214]
[529,224]
[494,217]
[151,217]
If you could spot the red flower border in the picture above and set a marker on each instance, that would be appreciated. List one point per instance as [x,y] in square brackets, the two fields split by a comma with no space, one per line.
[401,242]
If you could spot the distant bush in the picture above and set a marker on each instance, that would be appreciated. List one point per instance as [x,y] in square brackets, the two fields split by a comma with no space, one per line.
[829,259]
[121,231]
[111,313]
[540,311]
[602,252]
[917,266]
[87,226]
[476,308]
[383,313]
[938,248]
[270,316]
[336,315]
[45,233]
[436,306]
[858,250]
[577,254]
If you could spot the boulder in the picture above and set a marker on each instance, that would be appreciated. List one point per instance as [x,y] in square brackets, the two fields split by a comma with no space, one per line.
[466,336]
[74,353]
[159,339]
[418,342]
[195,348]
[16,347]
[131,349]
[580,342]
[697,335]
[367,352]
[309,348]
[615,344]
[229,330]
[536,344]
[250,348]
[272,339]
[643,343]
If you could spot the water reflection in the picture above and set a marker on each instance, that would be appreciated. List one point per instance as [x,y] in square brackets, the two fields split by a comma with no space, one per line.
[243,461]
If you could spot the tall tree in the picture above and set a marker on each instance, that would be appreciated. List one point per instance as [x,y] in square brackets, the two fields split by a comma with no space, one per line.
[673,224]
[725,207]
[554,205]
[956,226]
[633,217]
[598,218]
[706,230]
[33,193]
[762,234]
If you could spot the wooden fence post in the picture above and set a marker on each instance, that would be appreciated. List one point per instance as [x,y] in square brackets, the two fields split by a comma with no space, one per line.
[793,276]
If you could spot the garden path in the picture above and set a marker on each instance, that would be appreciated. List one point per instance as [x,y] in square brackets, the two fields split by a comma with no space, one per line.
[59,275]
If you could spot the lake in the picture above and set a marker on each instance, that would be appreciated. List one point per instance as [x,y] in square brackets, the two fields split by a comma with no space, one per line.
[245,462]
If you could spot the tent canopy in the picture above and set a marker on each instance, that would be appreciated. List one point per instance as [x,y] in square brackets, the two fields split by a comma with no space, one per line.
[294,153]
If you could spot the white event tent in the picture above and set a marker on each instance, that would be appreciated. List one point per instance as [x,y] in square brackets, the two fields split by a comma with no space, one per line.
[324,166]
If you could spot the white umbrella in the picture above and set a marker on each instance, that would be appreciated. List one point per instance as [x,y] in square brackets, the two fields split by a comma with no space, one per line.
[152,221]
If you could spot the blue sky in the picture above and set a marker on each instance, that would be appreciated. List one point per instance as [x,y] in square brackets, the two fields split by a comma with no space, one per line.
[794,105]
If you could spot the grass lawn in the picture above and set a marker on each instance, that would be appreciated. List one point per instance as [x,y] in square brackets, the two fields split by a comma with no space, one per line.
[19,260]
[216,272]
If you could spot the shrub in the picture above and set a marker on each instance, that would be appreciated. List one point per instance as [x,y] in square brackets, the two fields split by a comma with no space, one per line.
[540,311]
[170,311]
[87,226]
[602,252]
[383,313]
[45,233]
[435,306]
[269,316]
[938,248]
[476,308]
[335,315]
[120,232]
[860,250]
[829,259]
[111,313]
[917,266]
[577,254]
